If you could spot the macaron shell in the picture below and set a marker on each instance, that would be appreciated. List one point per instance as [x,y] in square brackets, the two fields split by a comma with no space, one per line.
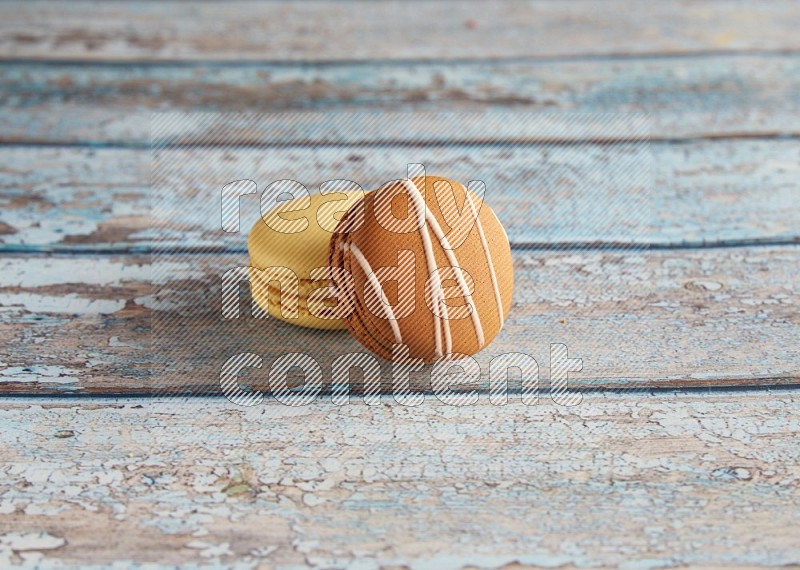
[301,251]
[304,250]
[380,247]
[269,298]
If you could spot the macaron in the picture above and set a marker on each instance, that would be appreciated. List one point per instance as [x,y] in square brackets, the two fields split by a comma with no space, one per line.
[429,267]
[289,257]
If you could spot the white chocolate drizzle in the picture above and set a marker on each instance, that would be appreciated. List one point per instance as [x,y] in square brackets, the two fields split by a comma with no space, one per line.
[426,219]
[497,297]
[376,287]
[419,204]
[438,293]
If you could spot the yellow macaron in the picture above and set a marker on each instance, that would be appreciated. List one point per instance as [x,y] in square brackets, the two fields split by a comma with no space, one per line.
[288,246]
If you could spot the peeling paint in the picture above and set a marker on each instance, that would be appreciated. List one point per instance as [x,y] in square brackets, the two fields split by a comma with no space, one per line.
[46,374]
[623,480]
[66,304]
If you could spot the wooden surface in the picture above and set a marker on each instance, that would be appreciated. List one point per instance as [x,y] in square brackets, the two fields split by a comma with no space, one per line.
[699,295]
[702,318]
[723,192]
[705,96]
[363,31]
[631,481]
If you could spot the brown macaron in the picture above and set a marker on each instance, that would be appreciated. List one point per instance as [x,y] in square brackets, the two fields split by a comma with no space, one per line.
[427,264]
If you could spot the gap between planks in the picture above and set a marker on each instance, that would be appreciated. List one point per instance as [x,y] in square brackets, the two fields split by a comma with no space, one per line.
[321,63]
[618,247]
[312,144]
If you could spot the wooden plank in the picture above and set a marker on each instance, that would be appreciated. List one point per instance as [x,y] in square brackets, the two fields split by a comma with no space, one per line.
[335,31]
[706,192]
[709,96]
[635,480]
[686,318]
[56,195]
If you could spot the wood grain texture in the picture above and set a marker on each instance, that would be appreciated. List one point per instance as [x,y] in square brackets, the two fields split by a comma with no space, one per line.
[335,31]
[621,481]
[636,477]
[709,317]
[706,192]
[706,96]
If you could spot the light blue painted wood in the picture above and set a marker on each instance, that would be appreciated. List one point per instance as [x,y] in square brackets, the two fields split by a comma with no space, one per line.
[674,480]
[685,97]
[691,319]
[335,31]
[706,192]
[688,319]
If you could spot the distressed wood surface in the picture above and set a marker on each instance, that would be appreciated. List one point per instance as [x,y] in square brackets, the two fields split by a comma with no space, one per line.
[708,96]
[685,318]
[636,481]
[704,192]
[334,31]
[636,477]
